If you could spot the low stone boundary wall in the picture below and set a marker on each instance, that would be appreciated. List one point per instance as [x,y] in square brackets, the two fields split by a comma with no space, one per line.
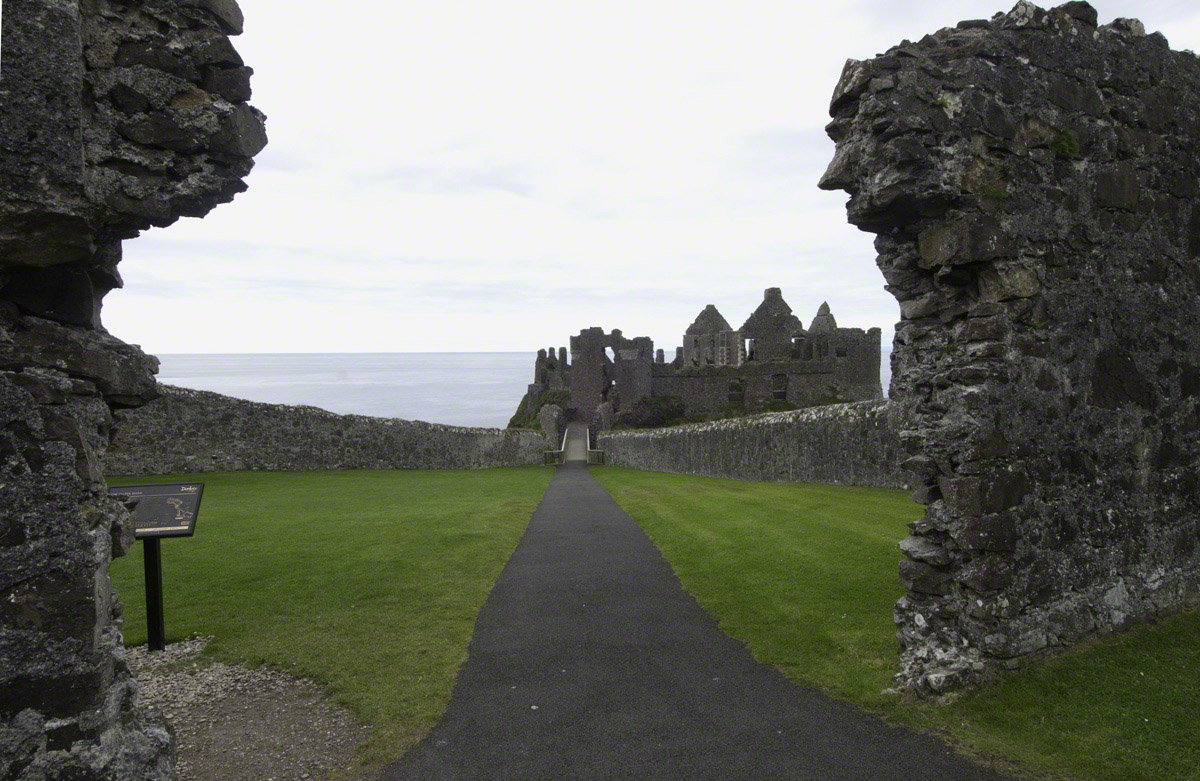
[197,431]
[849,444]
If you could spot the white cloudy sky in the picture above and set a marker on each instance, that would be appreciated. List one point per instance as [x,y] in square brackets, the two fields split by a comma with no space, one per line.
[477,176]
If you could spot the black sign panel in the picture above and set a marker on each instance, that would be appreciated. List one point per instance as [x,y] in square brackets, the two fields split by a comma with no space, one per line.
[164,510]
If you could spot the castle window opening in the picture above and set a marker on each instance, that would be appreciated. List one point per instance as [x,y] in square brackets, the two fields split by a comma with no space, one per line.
[612,356]
[737,393]
[725,348]
[841,352]
[749,349]
[779,386]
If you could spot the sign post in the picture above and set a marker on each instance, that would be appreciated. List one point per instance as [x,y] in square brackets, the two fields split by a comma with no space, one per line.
[156,628]
[162,510]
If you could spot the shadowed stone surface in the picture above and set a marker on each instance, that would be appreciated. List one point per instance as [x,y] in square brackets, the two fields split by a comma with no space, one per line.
[590,661]
[106,128]
[1033,181]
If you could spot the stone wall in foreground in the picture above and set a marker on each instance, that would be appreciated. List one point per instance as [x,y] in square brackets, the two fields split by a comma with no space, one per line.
[187,430]
[114,117]
[1035,190]
[847,444]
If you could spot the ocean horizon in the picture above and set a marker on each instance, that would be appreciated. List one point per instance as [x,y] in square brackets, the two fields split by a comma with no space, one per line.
[458,389]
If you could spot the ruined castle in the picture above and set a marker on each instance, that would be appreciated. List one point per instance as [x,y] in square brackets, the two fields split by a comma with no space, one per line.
[1033,184]
[771,362]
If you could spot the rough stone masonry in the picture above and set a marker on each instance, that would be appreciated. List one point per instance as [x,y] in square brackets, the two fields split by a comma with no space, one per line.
[186,430]
[114,116]
[1032,181]
[838,444]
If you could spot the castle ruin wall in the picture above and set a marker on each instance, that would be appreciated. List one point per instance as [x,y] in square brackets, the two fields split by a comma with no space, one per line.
[842,444]
[810,382]
[114,117]
[192,431]
[1032,181]
[834,365]
[589,377]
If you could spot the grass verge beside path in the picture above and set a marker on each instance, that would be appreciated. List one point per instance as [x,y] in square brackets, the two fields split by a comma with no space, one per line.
[368,582]
[806,576]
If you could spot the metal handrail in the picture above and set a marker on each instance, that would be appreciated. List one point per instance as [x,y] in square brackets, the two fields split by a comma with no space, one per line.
[593,456]
[557,456]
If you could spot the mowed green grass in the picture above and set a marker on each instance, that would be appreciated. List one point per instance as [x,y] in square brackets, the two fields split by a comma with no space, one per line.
[806,576]
[366,581]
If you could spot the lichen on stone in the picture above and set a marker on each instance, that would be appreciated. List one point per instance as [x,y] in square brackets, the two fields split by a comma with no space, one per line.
[1041,232]
[117,117]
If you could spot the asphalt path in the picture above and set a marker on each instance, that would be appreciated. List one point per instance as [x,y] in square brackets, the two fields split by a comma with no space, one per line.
[589,660]
[577,442]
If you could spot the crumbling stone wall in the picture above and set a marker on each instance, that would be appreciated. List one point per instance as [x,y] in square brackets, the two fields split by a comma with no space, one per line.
[186,430]
[114,116]
[595,378]
[840,444]
[1032,181]
[752,386]
[551,382]
[711,374]
[590,378]
[551,418]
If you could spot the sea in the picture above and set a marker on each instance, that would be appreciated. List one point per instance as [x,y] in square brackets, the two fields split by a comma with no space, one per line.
[459,389]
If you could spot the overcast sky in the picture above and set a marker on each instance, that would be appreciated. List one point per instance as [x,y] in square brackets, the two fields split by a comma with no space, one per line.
[450,176]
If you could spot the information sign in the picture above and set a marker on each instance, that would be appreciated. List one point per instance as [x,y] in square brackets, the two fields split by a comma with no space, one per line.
[163,510]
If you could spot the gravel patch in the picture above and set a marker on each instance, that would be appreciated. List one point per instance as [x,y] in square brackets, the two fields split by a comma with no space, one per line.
[234,723]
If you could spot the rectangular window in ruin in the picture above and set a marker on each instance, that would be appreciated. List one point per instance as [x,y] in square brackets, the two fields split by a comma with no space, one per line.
[779,385]
[725,347]
[737,394]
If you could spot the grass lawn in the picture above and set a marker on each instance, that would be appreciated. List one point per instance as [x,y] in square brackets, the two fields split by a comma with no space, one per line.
[806,576]
[366,581]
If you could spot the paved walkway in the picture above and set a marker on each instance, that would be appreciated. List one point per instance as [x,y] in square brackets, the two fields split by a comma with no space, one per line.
[577,442]
[590,661]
